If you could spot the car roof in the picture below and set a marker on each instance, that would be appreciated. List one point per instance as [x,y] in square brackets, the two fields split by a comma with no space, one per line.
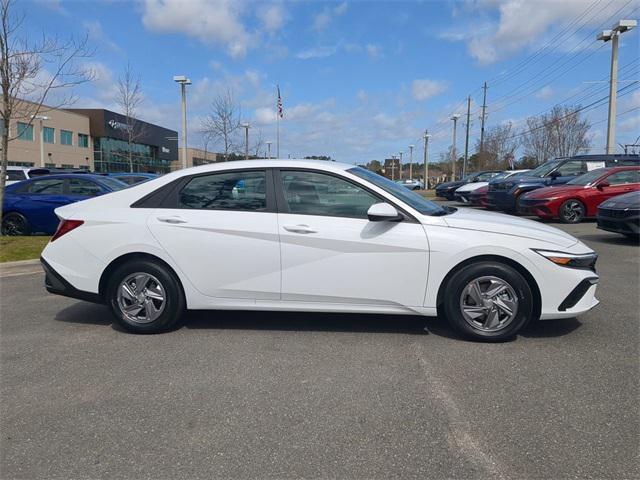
[272,163]
[54,176]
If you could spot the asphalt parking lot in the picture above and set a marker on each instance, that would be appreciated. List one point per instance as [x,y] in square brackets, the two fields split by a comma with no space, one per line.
[273,395]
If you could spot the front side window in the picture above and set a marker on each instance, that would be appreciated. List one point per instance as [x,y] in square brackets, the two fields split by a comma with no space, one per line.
[66,137]
[82,187]
[572,167]
[49,134]
[308,193]
[587,178]
[51,186]
[243,190]
[25,131]
[544,169]
[83,140]
[486,176]
[621,178]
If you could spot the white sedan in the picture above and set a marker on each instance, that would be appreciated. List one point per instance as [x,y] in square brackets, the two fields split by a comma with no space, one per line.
[462,193]
[311,236]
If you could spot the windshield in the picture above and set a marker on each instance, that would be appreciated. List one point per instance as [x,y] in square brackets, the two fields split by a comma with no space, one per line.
[113,184]
[587,178]
[425,207]
[544,169]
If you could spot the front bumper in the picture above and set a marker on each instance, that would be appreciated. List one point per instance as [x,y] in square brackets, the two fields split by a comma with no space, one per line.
[619,221]
[56,284]
[539,208]
[580,300]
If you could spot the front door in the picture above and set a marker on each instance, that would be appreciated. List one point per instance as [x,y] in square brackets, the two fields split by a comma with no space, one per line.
[332,253]
[223,234]
[619,183]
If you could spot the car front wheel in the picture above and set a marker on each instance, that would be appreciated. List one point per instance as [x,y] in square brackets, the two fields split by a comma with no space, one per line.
[145,297]
[488,301]
[571,211]
[15,224]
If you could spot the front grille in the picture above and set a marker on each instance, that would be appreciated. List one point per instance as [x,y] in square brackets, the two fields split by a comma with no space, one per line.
[496,187]
[615,213]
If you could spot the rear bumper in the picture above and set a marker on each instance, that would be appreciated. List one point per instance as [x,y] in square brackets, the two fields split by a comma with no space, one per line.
[56,284]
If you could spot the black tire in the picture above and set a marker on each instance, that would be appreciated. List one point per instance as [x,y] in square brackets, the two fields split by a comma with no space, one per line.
[170,288]
[520,290]
[15,224]
[571,211]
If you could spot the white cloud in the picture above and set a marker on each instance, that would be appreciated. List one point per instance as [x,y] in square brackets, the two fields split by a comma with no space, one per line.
[362,96]
[96,33]
[631,124]
[545,93]
[423,89]
[317,52]
[373,51]
[324,18]
[523,24]
[217,22]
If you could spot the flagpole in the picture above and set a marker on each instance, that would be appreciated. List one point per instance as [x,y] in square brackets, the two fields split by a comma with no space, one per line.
[277,133]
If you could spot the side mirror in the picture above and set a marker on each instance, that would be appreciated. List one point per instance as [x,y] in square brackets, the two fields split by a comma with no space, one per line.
[383,212]
[555,174]
[602,185]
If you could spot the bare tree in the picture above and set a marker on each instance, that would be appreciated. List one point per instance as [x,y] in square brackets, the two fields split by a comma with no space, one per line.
[258,143]
[559,133]
[31,71]
[223,122]
[129,98]
[500,143]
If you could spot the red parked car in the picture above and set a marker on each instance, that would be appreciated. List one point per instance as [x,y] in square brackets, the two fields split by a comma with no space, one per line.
[479,196]
[580,197]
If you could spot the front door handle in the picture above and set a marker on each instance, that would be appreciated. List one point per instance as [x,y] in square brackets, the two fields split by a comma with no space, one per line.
[172,220]
[299,229]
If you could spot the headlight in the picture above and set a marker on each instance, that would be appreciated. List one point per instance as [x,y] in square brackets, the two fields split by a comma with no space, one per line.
[571,260]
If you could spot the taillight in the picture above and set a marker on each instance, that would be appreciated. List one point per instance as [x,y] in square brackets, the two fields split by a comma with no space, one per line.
[65,226]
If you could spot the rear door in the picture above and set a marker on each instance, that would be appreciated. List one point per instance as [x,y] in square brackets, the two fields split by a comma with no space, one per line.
[221,229]
[332,253]
[619,183]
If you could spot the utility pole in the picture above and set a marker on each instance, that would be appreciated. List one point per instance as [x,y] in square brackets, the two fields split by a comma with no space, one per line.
[483,117]
[426,159]
[466,140]
[400,167]
[614,35]
[246,140]
[269,150]
[42,118]
[183,81]
[410,162]
[393,167]
[455,118]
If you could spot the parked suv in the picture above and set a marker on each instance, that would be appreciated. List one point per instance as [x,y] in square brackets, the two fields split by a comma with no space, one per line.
[504,194]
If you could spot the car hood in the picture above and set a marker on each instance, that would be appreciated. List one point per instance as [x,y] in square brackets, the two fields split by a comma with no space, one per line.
[449,185]
[472,186]
[520,180]
[549,192]
[628,200]
[470,219]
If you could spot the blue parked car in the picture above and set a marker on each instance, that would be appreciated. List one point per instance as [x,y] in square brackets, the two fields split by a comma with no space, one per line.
[133,178]
[504,193]
[29,205]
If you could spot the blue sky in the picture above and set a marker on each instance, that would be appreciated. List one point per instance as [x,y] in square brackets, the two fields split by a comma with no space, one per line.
[359,80]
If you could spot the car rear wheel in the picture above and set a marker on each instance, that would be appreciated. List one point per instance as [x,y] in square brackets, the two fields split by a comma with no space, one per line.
[15,224]
[571,211]
[145,297]
[488,301]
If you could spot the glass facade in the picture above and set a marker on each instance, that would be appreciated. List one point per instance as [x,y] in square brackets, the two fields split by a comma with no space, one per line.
[25,131]
[66,137]
[49,135]
[113,155]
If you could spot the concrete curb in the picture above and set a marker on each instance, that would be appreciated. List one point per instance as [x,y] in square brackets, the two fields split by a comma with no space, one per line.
[22,267]
[19,263]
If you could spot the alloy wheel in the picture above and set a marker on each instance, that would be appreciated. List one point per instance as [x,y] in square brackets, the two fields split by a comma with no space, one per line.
[572,211]
[141,297]
[489,303]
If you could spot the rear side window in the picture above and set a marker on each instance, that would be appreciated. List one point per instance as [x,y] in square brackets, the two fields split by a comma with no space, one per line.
[572,167]
[242,190]
[620,178]
[50,186]
[85,188]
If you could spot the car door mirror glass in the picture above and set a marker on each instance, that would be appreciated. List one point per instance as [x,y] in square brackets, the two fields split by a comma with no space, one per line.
[381,212]
[602,185]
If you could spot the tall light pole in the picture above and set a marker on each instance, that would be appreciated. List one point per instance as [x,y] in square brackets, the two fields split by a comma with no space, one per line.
[466,140]
[246,140]
[455,118]
[393,167]
[42,118]
[183,81]
[410,162]
[613,35]
[426,159]
[400,167]
[269,150]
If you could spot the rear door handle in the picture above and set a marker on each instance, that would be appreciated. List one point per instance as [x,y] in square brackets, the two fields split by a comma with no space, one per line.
[172,220]
[299,229]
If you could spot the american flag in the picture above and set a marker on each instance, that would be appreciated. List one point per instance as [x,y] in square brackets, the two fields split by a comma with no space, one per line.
[280,109]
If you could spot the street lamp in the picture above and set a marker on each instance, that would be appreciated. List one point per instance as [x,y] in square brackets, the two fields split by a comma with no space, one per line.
[42,118]
[613,35]
[410,162]
[426,159]
[246,140]
[269,150]
[455,118]
[183,81]
[400,167]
